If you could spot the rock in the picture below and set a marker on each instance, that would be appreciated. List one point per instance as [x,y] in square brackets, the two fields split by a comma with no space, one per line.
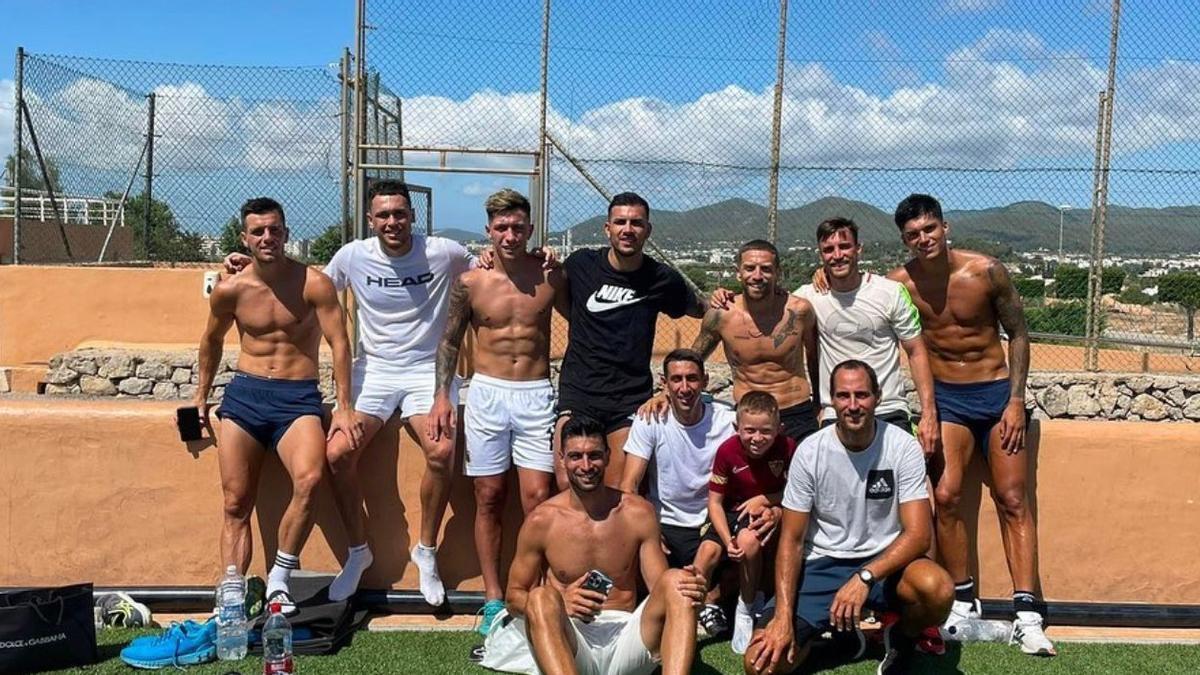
[1191,409]
[187,391]
[165,390]
[97,386]
[1040,380]
[1139,383]
[1124,389]
[1039,414]
[1080,401]
[1175,395]
[56,361]
[62,390]
[1107,397]
[84,365]
[117,366]
[223,379]
[1165,382]
[1147,407]
[181,375]
[181,359]
[1054,401]
[135,386]
[154,369]
[61,375]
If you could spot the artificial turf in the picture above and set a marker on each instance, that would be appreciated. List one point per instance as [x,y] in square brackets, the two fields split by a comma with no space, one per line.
[437,652]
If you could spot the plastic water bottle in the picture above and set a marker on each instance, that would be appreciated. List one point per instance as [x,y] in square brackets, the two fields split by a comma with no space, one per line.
[231,616]
[277,644]
[983,630]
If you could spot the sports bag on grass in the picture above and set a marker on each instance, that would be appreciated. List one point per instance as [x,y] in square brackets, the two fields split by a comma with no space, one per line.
[46,629]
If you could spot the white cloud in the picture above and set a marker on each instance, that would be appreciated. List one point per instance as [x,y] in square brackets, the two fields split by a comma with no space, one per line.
[970,6]
[7,117]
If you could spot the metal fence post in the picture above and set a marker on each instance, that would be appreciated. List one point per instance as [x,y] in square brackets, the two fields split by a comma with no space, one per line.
[360,117]
[543,184]
[345,164]
[777,127]
[18,154]
[148,193]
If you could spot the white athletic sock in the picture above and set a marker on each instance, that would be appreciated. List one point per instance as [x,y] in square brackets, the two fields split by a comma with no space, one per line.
[346,583]
[281,572]
[425,558]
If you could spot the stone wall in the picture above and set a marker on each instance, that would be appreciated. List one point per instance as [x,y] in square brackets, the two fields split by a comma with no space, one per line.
[1071,395]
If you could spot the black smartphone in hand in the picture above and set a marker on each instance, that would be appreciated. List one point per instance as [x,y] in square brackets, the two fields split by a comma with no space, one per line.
[598,581]
[188,421]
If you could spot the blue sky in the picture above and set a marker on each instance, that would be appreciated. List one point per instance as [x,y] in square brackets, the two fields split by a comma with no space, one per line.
[1003,85]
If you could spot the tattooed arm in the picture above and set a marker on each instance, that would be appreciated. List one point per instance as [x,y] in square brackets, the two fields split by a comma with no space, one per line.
[1011,315]
[710,335]
[442,414]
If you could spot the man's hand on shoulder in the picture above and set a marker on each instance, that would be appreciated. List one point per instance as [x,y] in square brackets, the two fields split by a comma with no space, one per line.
[236,262]
[655,408]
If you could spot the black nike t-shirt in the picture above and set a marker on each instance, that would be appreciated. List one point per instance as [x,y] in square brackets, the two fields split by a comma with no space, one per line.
[613,317]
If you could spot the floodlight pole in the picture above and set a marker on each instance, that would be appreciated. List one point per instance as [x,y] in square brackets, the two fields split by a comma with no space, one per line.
[148,193]
[18,147]
[776,127]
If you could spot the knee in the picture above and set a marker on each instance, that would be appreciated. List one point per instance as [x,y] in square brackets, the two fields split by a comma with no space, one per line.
[670,581]
[748,542]
[535,495]
[936,591]
[238,506]
[304,483]
[948,498]
[1011,501]
[544,604]
[440,458]
[340,457]
[489,497]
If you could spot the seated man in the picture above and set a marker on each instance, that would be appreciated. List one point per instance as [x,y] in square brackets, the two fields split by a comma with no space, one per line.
[281,308]
[748,477]
[680,448]
[857,506]
[589,542]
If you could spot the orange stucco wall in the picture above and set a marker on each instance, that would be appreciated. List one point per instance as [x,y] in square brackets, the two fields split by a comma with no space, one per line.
[104,491]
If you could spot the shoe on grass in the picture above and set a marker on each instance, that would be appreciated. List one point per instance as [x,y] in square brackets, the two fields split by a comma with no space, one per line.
[183,644]
[1028,633]
[122,611]
[490,610]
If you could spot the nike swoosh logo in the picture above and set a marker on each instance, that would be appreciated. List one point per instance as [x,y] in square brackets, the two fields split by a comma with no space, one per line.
[739,469]
[596,305]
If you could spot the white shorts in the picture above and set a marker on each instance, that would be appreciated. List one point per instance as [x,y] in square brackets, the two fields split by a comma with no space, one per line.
[508,422]
[378,391]
[609,645]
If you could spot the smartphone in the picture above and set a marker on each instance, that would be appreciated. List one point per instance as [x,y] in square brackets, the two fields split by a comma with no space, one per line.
[598,581]
[188,421]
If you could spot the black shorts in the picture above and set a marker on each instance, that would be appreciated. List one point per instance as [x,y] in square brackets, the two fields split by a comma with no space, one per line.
[682,543]
[820,580]
[612,420]
[799,420]
[731,521]
[898,418]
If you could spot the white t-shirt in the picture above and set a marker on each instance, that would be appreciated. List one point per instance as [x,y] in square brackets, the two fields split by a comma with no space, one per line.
[402,301]
[853,498]
[681,460]
[865,324]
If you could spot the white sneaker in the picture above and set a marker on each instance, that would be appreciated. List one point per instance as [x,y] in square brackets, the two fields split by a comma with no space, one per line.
[960,612]
[1028,633]
[743,628]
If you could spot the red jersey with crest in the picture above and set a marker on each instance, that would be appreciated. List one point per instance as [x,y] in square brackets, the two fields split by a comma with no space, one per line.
[739,477]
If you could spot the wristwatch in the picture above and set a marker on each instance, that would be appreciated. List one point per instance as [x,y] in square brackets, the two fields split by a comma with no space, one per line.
[866,577]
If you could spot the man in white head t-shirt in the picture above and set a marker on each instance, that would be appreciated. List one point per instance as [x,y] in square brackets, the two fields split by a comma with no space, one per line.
[678,448]
[865,316]
[857,520]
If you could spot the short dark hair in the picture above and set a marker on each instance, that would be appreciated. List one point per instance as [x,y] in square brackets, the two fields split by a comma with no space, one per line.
[854,364]
[915,206]
[829,226]
[386,187]
[261,206]
[583,426]
[683,354]
[758,245]
[758,402]
[628,199]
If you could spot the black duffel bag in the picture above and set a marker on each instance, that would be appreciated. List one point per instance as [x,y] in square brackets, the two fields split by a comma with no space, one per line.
[46,629]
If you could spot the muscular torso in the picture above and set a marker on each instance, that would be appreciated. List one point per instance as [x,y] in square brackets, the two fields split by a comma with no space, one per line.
[280,335]
[575,544]
[958,317]
[765,349]
[511,315]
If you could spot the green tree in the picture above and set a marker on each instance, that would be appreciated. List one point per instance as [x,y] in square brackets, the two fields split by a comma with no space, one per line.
[1071,283]
[1030,289]
[167,241]
[1062,318]
[31,173]
[324,246]
[1182,288]
[231,237]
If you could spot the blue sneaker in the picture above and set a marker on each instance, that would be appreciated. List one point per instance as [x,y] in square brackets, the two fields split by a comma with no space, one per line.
[490,609]
[183,644]
[189,626]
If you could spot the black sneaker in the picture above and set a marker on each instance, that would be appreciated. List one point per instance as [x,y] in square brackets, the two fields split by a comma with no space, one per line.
[898,652]
[712,620]
[477,653]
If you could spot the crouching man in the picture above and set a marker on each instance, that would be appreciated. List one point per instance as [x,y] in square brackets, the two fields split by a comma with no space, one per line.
[590,542]
[857,507]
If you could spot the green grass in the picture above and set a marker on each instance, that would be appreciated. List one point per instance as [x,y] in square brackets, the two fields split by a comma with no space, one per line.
[434,653]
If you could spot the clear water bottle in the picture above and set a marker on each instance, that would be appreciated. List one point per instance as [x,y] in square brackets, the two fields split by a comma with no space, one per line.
[231,616]
[983,630]
[277,644]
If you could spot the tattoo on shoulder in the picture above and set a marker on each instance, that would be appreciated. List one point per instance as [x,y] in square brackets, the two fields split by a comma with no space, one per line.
[791,326]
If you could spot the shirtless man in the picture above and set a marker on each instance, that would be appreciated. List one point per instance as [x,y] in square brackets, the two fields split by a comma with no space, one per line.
[510,404]
[589,529]
[964,297]
[282,309]
[769,339]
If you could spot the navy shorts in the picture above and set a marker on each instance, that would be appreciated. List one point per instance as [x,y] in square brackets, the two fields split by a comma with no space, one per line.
[820,581]
[799,420]
[978,406]
[611,420]
[265,408]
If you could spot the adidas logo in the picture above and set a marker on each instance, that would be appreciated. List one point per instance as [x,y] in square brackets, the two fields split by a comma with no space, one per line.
[881,484]
[879,487]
